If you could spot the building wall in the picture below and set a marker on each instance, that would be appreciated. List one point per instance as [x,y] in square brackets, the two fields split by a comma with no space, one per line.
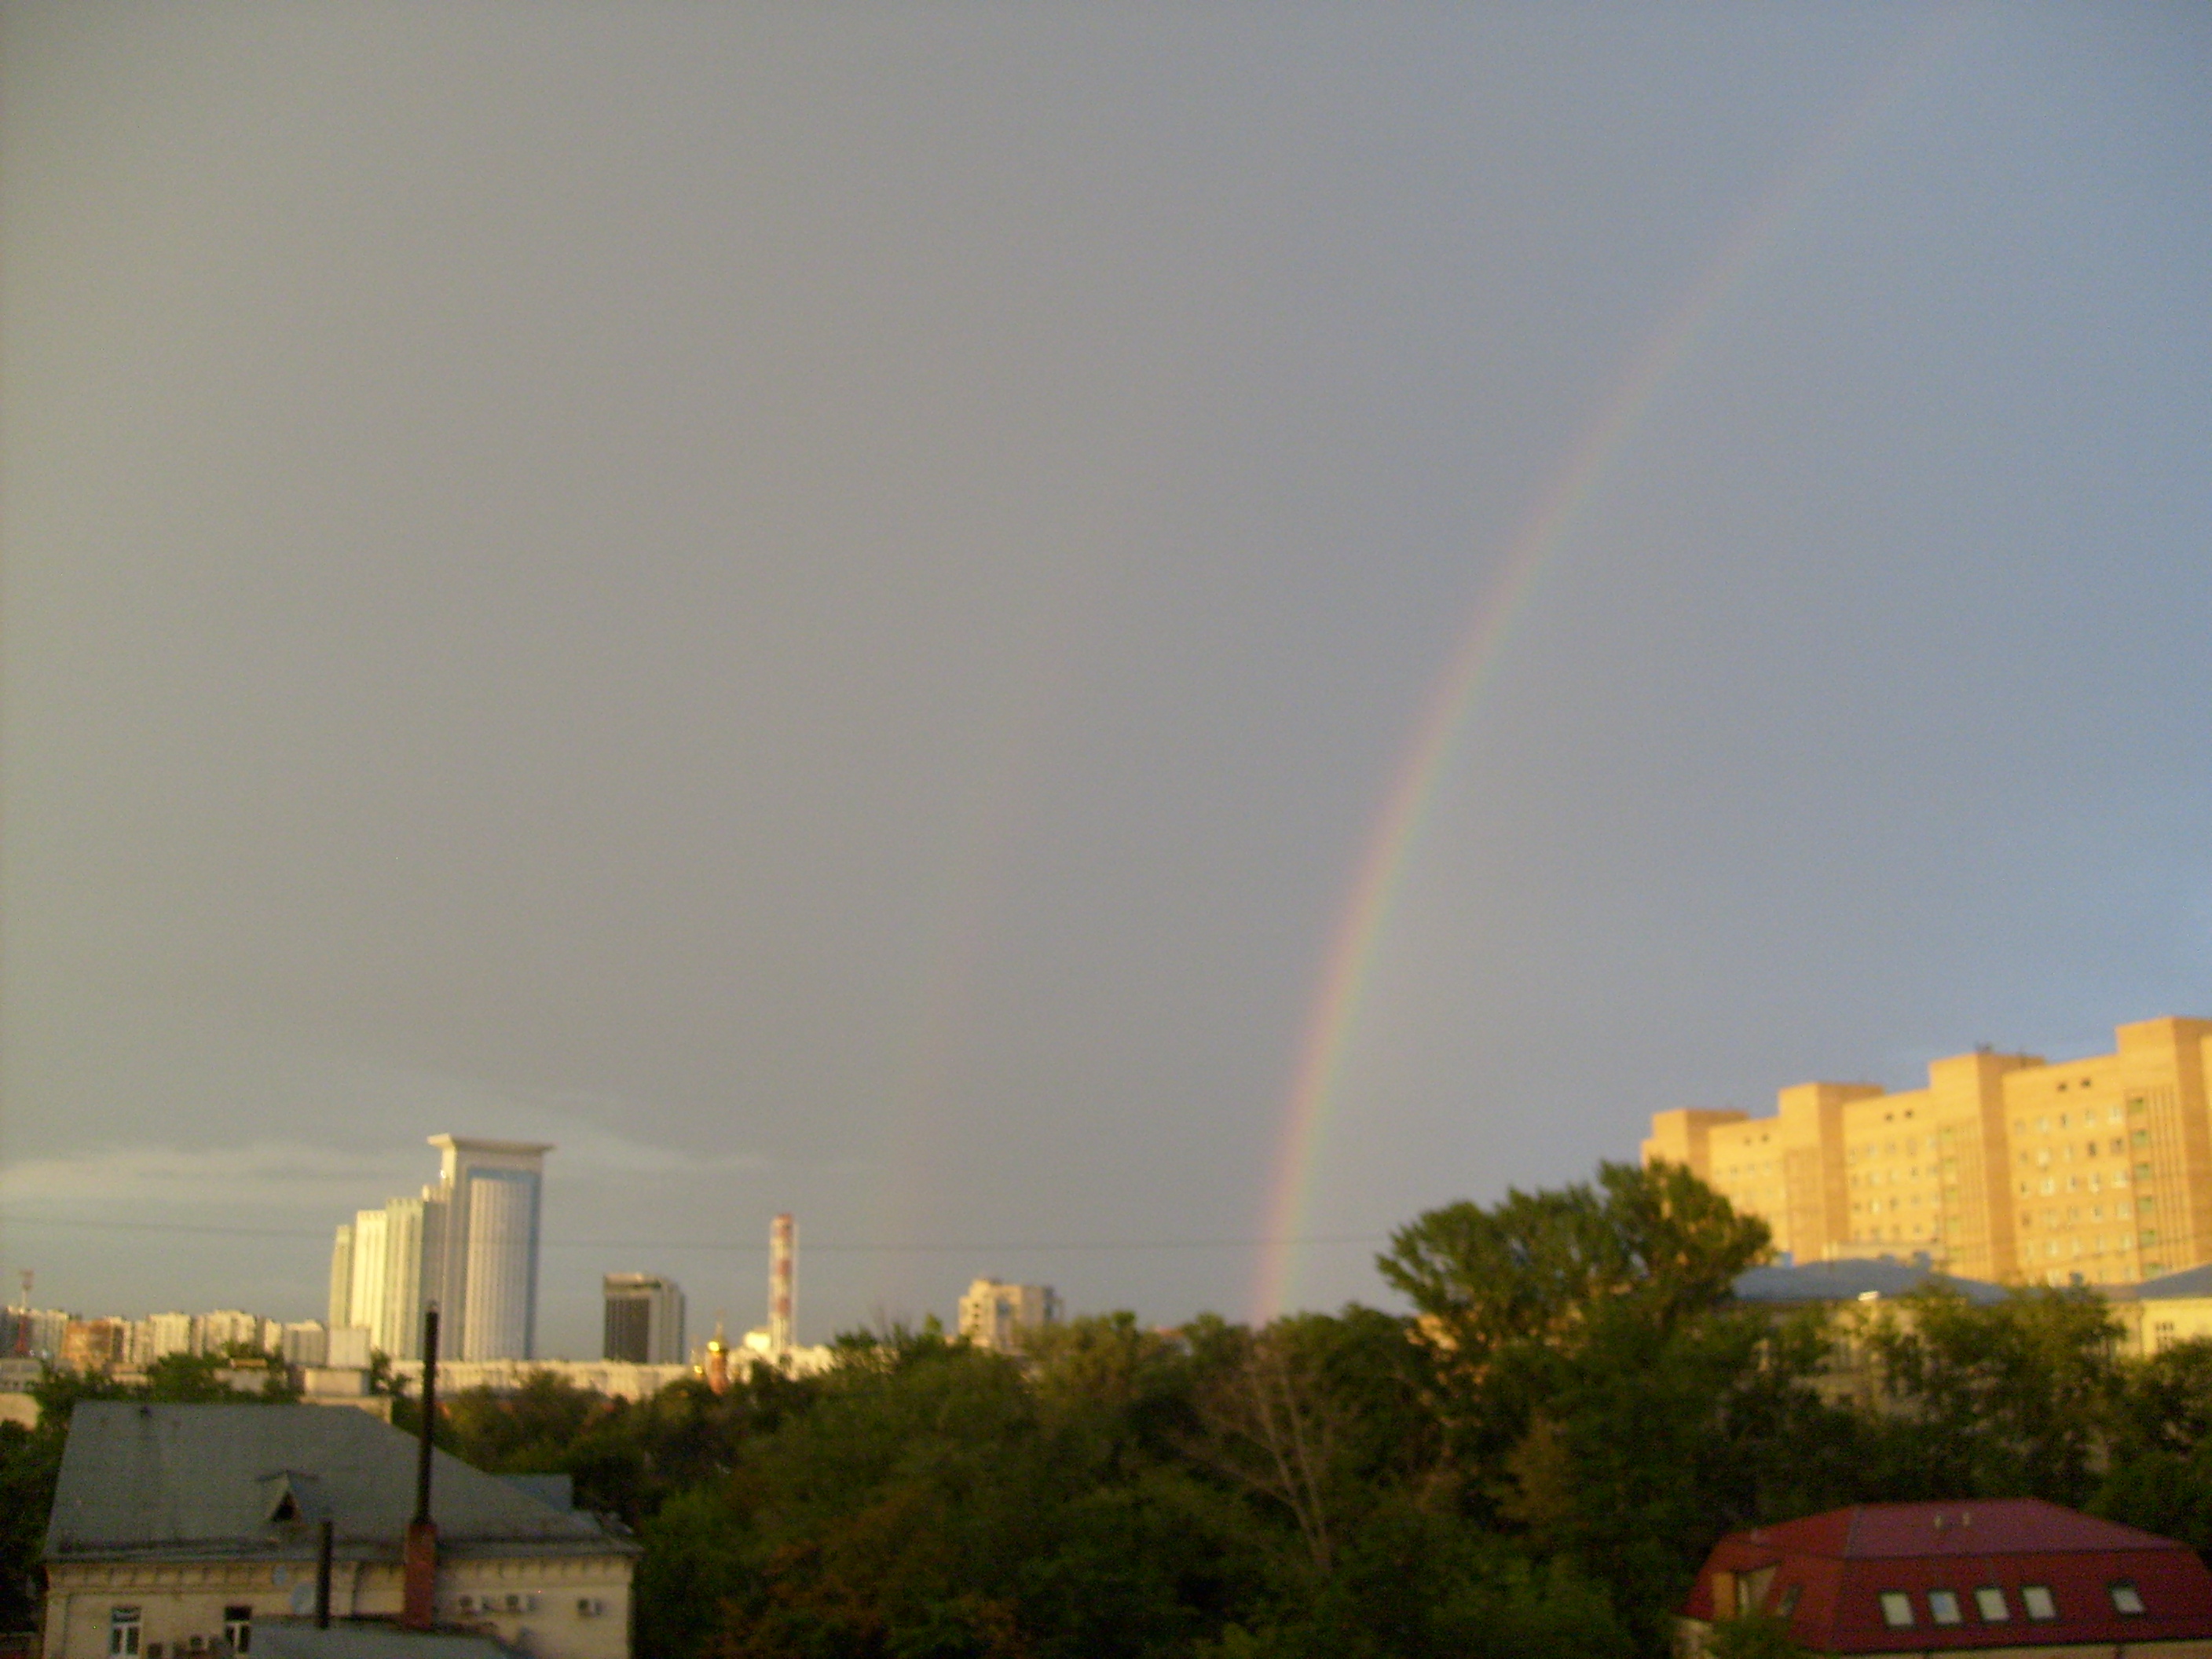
[341,1307]
[366,1298]
[501,1266]
[489,1279]
[414,1235]
[993,1314]
[644,1323]
[561,1606]
[2005,1167]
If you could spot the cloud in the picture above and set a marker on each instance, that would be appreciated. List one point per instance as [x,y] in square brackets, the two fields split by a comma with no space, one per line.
[261,1174]
[271,1175]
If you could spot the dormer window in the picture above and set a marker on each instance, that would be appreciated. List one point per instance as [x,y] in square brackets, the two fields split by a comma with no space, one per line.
[2126,1599]
[283,1494]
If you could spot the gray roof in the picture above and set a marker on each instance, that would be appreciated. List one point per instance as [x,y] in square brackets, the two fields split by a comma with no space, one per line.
[348,1638]
[1853,1279]
[2191,1281]
[195,1482]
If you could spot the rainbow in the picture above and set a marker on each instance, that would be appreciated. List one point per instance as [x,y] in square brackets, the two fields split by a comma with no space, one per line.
[1365,915]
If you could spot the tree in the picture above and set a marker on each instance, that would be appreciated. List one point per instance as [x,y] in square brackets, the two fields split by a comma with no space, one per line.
[2012,1399]
[1753,1636]
[1269,1424]
[1535,1268]
[1602,1394]
[2159,1475]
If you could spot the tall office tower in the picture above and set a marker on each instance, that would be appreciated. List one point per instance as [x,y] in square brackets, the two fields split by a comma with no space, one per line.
[2009,1167]
[365,1295]
[342,1277]
[645,1319]
[782,1282]
[488,1294]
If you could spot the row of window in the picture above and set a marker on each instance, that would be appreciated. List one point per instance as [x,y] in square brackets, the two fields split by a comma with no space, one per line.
[2116,1147]
[2036,1601]
[2119,1178]
[126,1624]
[2089,1115]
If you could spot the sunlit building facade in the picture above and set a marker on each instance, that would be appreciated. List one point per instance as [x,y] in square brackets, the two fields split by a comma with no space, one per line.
[469,1244]
[2005,1167]
[997,1316]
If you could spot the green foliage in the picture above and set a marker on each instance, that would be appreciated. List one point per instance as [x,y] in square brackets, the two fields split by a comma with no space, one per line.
[1598,1393]
[1753,1636]
[1536,1268]
[2014,1400]
[30,1461]
[1536,1462]
[2159,1475]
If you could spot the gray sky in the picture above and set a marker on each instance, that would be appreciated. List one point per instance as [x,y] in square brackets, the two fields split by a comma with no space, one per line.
[819,605]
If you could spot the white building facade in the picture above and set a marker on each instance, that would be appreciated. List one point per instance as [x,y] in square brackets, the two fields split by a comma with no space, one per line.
[469,1244]
[994,1314]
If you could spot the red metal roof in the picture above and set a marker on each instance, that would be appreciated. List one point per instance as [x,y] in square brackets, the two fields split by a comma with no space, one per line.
[1832,1570]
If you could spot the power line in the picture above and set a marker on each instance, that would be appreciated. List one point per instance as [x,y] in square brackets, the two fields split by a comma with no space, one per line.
[729,1247]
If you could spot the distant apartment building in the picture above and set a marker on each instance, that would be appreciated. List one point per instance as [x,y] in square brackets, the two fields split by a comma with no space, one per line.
[91,1346]
[229,1328]
[994,1314]
[644,1320]
[469,1244]
[171,1333]
[32,1333]
[2005,1167]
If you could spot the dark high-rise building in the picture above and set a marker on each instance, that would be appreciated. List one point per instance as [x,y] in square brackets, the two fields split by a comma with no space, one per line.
[645,1319]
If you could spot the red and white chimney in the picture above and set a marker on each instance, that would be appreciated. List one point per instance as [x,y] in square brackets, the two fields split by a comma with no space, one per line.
[782,1272]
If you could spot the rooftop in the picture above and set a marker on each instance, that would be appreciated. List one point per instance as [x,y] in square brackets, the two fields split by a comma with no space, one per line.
[1854,1280]
[203,1482]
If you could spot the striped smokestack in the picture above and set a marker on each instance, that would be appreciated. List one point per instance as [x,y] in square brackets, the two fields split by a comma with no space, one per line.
[782,1271]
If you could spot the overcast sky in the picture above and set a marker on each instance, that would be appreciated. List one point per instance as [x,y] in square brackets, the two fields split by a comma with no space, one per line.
[819,605]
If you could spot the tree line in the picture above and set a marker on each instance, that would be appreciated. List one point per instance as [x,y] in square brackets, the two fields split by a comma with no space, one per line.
[1535,1460]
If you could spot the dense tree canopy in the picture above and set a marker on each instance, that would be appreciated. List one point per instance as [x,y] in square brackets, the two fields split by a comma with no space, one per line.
[1535,1460]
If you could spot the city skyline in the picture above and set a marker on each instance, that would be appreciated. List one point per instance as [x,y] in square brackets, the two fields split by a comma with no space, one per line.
[1116,649]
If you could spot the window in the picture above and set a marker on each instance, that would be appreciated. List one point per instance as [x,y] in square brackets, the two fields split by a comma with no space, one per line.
[123,1632]
[238,1629]
[1989,1602]
[1943,1606]
[2036,1598]
[1896,1609]
[2125,1598]
[1786,1603]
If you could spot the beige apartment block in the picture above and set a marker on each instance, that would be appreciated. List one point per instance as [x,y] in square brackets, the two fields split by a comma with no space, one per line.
[2005,1167]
